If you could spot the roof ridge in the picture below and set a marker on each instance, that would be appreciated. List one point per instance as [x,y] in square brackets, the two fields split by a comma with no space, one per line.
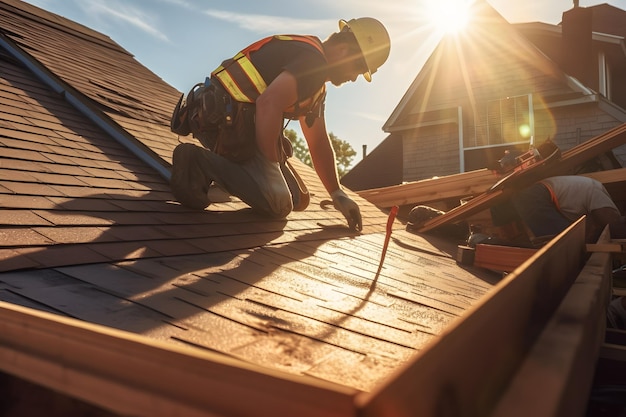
[59,22]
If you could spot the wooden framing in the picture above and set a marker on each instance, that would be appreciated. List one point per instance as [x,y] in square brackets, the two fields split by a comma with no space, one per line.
[611,247]
[467,368]
[133,375]
[477,183]
[563,356]
[611,176]
[590,149]
[474,183]
[501,258]
[429,190]
[570,159]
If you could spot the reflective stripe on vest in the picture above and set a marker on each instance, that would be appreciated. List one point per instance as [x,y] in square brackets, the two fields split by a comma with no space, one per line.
[243,81]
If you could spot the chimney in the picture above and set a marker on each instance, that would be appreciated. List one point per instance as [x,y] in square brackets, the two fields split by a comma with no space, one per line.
[578,60]
[364,151]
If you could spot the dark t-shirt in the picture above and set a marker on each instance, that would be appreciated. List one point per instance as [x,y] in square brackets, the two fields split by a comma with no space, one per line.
[305,62]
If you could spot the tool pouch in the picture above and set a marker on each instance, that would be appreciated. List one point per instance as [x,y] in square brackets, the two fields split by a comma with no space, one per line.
[220,123]
[236,136]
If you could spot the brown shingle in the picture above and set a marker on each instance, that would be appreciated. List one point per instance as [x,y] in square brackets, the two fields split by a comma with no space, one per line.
[14,259]
[17,237]
[61,255]
[22,218]
[85,234]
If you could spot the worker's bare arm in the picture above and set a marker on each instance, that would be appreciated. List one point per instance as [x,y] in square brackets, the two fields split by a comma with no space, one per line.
[321,151]
[270,105]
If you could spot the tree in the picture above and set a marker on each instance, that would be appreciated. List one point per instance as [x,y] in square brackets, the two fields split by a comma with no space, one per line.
[300,149]
[344,153]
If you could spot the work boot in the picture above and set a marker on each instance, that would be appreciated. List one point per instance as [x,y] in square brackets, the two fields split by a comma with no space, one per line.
[189,183]
[419,215]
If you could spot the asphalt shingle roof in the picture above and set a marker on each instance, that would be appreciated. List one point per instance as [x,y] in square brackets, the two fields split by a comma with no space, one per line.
[90,230]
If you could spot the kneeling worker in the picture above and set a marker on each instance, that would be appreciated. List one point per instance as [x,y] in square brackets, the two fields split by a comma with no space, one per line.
[239,112]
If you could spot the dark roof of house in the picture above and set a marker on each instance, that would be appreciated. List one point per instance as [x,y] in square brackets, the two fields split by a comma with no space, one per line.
[381,168]
[90,230]
[608,19]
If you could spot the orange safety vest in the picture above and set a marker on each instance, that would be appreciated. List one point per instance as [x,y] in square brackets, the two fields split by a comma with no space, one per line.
[244,83]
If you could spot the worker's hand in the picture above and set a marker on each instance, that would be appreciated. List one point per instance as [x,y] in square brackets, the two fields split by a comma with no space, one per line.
[348,208]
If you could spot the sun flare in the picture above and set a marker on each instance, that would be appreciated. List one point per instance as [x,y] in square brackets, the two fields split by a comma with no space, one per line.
[449,16]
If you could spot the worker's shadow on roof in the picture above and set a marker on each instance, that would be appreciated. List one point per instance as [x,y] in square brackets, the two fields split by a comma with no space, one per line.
[156,262]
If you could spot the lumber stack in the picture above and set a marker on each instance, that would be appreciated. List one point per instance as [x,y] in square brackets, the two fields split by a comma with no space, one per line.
[568,161]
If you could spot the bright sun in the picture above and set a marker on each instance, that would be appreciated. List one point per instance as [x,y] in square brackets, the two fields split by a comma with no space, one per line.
[449,16]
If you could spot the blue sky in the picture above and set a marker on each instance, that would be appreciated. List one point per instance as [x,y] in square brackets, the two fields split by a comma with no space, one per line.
[183,40]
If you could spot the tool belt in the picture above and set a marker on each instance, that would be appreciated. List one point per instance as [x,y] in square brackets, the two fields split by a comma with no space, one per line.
[227,127]
[220,123]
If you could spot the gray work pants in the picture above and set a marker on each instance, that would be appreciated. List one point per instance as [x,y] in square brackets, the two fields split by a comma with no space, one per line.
[258,182]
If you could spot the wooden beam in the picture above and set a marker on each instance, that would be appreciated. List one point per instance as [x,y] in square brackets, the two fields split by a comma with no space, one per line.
[464,371]
[448,187]
[474,206]
[606,247]
[610,176]
[556,376]
[133,375]
[501,258]
[590,149]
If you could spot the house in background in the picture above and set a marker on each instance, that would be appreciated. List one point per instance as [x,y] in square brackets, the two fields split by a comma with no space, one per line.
[497,86]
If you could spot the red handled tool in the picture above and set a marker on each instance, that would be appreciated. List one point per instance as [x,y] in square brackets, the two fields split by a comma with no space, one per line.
[390,219]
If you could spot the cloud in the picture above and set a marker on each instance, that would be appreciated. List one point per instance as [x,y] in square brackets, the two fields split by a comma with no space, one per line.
[182,3]
[268,24]
[121,12]
[376,117]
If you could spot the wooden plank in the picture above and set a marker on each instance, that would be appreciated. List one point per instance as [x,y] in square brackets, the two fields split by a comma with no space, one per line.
[463,371]
[590,149]
[433,189]
[474,206]
[608,177]
[132,375]
[501,258]
[606,247]
[556,377]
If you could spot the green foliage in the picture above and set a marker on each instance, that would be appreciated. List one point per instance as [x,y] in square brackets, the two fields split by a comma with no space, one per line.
[343,151]
[300,149]
[343,154]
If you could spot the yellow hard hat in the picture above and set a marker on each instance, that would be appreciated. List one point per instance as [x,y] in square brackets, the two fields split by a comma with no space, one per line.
[373,41]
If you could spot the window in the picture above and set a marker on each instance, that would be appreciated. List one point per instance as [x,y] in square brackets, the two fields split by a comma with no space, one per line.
[501,122]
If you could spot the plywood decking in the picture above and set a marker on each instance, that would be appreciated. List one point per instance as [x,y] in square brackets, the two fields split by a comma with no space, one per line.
[465,371]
